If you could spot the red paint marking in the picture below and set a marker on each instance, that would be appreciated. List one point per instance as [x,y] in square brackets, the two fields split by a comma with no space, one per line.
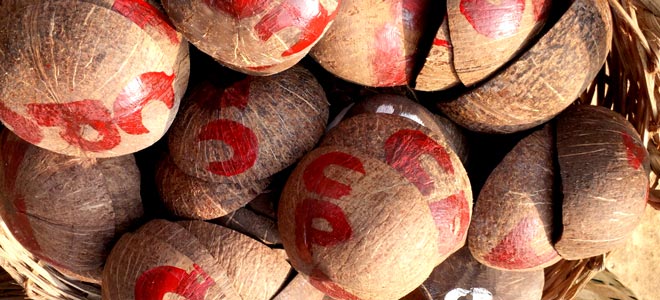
[316,181]
[144,14]
[516,251]
[243,142]
[239,9]
[389,64]
[541,9]
[153,86]
[155,283]
[306,234]
[634,152]
[21,229]
[260,68]
[441,43]
[20,125]
[413,12]
[76,117]
[495,21]
[452,218]
[319,280]
[404,150]
[237,95]
[309,16]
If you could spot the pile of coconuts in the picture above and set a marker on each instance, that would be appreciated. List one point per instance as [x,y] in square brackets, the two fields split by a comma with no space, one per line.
[192,149]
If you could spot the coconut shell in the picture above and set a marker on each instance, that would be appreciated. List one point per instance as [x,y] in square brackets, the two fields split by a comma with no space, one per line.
[544,80]
[105,80]
[373,42]
[256,271]
[502,27]
[254,37]
[461,276]
[164,258]
[264,204]
[299,289]
[250,223]
[251,130]
[189,197]
[420,156]
[604,171]
[438,71]
[455,136]
[513,219]
[67,211]
[345,219]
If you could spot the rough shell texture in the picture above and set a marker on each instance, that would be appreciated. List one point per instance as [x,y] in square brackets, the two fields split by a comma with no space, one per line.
[250,223]
[299,289]
[95,79]
[424,159]
[502,27]
[455,136]
[461,276]
[67,211]
[438,72]
[604,172]
[193,198]
[535,88]
[382,52]
[255,37]
[251,130]
[513,220]
[342,217]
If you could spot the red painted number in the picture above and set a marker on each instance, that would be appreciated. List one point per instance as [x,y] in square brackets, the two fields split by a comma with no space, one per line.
[495,21]
[319,280]
[135,96]
[238,9]
[154,284]
[20,125]
[309,16]
[144,14]
[635,154]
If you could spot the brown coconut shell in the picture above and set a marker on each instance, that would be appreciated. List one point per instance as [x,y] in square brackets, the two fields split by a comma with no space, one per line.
[67,211]
[256,271]
[250,223]
[438,71]
[424,159]
[251,130]
[503,28]
[382,52]
[264,204]
[513,223]
[604,173]
[462,277]
[455,136]
[299,289]
[255,37]
[105,81]
[544,80]
[189,197]
[345,218]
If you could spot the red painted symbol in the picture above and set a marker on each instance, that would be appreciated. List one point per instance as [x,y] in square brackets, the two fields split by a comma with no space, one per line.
[144,14]
[23,127]
[495,21]
[452,218]
[153,86]
[319,280]
[237,95]
[316,181]
[634,152]
[541,9]
[389,64]
[441,43]
[404,150]
[154,284]
[239,9]
[306,234]
[78,118]
[242,140]
[516,250]
[309,16]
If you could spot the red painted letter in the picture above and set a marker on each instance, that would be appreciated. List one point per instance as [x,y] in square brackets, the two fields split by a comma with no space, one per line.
[306,234]
[155,283]
[634,152]
[242,140]
[20,125]
[153,86]
[142,14]
[238,9]
[495,21]
[316,181]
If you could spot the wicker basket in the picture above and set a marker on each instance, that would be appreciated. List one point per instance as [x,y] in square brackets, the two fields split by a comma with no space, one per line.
[629,83]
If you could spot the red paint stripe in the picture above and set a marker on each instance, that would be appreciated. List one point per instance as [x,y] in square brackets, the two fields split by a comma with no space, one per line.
[495,21]
[21,126]
[316,181]
[635,153]
[389,64]
[452,219]
[155,283]
[239,9]
[152,86]
[441,43]
[144,14]
[515,251]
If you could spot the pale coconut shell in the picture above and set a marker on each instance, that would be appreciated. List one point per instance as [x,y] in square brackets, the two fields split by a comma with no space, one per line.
[438,72]
[373,42]
[343,216]
[256,271]
[160,258]
[251,130]
[543,81]
[88,79]
[67,211]
[254,37]
[299,289]
[189,197]
[604,174]
[486,34]
[513,222]
[252,224]
[461,276]
[424,159]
